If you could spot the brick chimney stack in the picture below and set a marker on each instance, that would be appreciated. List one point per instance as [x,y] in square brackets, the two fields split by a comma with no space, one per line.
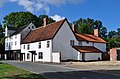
[73,27]
[45,21]
[96,32]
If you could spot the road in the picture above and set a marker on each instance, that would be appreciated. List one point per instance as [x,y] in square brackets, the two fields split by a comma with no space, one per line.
[57,71]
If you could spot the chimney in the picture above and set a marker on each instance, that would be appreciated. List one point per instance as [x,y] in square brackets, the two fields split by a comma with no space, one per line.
[73,27]
[45,21]
[96,32]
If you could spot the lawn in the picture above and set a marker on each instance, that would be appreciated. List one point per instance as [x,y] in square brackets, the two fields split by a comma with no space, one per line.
[10,72]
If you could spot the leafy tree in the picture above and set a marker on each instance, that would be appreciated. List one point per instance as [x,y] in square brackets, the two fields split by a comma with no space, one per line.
[86,26]
[118,31]
[1,39]
[111,34]
[18,19]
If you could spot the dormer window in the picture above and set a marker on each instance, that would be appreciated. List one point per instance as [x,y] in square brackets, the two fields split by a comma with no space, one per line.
[72,42]
[32,27]
[28,27]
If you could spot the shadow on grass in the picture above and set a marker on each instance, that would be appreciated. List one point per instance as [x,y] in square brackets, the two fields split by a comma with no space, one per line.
[25,76]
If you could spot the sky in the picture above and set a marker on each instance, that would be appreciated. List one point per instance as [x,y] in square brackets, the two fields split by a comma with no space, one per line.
[108,11]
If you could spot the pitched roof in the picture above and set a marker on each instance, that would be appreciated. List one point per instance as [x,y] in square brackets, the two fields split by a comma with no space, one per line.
[87,49]
[43,33]
[19,30]
[89,37]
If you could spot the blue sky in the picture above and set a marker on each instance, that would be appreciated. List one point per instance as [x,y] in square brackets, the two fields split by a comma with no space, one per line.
[105,10]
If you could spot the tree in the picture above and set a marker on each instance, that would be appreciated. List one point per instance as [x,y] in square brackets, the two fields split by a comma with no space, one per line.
[1,39]
[111,34]
[86,26]
[18,19]
[118,31]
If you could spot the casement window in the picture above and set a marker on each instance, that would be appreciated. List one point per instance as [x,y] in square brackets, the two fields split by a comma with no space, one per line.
[39,44]
[28,46]
[28,56]
[79,43]
[87,42]
[28,27]
[15,42]
[48,44]
[32,27]
[15,36]
[6,44]
[40,55]
[24,47]
[72,42]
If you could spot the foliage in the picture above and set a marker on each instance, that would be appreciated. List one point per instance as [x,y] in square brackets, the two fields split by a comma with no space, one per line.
[18,19]
[86,26]
[1,39]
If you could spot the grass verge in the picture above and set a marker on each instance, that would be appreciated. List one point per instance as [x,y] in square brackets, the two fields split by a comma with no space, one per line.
[10,72]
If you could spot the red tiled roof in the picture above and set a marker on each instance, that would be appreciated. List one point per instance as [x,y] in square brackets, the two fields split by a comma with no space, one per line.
[43,33]
[89,37]
[87,49]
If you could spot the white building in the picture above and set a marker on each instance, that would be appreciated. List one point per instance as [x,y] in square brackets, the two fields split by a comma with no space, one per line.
[57,41]
[13,40]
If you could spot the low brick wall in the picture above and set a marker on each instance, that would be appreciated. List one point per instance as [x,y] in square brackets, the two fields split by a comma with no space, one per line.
[113,54]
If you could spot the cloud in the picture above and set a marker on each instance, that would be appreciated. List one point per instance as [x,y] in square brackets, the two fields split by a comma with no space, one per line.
[40,5]
[57,17]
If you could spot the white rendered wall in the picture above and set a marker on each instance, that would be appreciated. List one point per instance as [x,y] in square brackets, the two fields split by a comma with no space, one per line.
[47,52]
[11,42]
[100,46]
[56,57]
[61,42]
[87,44]
[92,56]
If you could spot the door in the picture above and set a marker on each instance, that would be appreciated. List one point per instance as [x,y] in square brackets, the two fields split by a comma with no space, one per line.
[83,56]
[118,54]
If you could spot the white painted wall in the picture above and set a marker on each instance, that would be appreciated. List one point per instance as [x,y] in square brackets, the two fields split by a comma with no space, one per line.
[61,42]
[12,39]
[56,57]
[11,42]
[47,52]
[84,43]
[92,56]
[100,46]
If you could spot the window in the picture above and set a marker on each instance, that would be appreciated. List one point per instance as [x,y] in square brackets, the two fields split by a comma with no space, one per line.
[28,27]
[40,55]
[87,42]
[11,43]
[79,43]
[24,47]
[48,44]
[6,44]
[39,44]
[28,46]
[32,27]
[28,56]
[71,42]
[15,42]
[15,36]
